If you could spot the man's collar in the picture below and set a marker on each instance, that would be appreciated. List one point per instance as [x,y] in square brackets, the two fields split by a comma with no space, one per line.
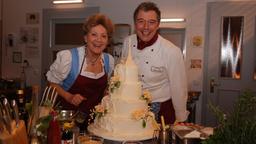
[141,45]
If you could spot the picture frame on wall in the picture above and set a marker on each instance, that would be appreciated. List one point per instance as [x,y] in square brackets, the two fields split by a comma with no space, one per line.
[32,18]
[196,64]
[16,57]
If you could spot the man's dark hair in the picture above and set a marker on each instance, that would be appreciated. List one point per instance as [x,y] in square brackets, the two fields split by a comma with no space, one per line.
[147,6]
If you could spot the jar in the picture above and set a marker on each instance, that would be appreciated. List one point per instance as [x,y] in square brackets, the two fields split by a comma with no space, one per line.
[21,97]
[67,134]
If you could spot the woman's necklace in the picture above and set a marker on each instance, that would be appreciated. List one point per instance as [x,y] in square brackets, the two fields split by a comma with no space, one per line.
[93,61]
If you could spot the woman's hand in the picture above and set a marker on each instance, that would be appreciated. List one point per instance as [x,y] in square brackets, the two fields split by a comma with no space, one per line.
[76,99]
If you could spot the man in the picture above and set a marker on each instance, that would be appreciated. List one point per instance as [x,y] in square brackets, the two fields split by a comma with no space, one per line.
[161,65]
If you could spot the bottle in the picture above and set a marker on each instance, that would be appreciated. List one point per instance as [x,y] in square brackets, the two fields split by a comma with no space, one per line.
[53,133]
[21,97]
[33,137]
[67,134]
[23,113]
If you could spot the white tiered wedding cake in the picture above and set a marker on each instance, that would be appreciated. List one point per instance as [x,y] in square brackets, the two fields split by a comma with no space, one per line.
[124,114]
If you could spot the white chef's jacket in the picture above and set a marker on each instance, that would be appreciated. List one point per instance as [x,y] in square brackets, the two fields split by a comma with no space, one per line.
[162,72]
[60,68]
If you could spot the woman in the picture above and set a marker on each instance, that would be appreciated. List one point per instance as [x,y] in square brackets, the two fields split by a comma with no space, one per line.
[80,74]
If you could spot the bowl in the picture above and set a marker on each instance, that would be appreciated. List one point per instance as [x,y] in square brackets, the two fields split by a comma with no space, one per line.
[66,115]
[90,139]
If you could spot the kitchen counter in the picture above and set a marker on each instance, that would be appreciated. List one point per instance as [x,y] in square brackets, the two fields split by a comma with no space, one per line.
[140,142]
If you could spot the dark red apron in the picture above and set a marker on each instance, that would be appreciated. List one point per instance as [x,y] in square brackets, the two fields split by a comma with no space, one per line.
[167,110]
[91,89]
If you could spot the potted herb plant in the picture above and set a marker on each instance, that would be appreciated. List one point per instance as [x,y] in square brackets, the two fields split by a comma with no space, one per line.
[240,126]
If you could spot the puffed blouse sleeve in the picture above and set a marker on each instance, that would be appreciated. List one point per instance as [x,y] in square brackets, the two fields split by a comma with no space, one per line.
[60,68]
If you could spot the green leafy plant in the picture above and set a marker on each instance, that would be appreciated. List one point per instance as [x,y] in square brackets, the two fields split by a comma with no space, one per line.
[42,125]
[240,126]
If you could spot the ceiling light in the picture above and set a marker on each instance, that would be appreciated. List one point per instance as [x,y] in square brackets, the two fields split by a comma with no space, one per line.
[173,20]
[67,1]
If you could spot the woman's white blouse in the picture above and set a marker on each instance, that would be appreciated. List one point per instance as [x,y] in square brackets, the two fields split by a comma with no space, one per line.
[60,68]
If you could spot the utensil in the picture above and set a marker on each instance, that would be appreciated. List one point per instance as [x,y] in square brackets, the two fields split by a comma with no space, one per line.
[2,125]
[16,112]
[54,96]
[7,107]
[50,94]
[44,95]
[6,115]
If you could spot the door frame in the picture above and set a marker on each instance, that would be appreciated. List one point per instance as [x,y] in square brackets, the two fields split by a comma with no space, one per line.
[173,31]
[205,70]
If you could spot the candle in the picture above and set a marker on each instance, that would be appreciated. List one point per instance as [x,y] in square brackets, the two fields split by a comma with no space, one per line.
[163,123]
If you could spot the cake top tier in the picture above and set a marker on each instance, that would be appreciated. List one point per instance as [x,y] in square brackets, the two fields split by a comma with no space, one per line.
[128,71]
[129,60]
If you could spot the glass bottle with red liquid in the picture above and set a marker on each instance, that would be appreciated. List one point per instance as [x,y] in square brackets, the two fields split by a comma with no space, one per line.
[54,131]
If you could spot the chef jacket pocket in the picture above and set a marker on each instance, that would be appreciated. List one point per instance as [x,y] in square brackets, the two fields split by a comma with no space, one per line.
[157,69]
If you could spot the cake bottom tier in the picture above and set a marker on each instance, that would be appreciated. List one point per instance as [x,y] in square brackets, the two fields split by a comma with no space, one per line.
[121,129]
[135,136]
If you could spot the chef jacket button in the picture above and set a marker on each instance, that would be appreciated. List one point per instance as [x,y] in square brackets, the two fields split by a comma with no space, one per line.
[142,75]
[133,45]
[152,50]
[146,62]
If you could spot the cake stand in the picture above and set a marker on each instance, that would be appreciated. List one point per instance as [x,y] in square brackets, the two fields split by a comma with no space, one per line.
[117,138]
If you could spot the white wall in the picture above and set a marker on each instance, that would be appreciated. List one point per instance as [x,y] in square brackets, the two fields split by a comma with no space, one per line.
[120,11]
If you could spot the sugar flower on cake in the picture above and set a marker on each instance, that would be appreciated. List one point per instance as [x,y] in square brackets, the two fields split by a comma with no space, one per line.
[114,83]
[99,110]
[139,114]
[146,96]
[144,115]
